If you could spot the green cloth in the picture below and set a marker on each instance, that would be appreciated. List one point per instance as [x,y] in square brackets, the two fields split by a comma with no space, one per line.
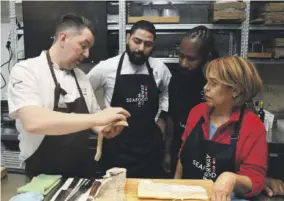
[42,184]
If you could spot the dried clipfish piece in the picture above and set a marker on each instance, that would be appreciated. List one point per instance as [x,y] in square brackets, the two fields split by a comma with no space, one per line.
[155,190]
[107,129]
[111,186]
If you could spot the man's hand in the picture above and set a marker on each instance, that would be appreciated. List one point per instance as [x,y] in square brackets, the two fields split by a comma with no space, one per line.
[167,163]
[223,187]
[274,187]
[110,115]
[113,129]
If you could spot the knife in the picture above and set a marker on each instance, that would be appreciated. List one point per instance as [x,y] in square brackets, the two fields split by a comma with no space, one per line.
[77,192]
[95,187]
[64,193]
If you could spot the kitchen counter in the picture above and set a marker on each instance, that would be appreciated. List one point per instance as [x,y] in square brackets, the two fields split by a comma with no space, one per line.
[10,184]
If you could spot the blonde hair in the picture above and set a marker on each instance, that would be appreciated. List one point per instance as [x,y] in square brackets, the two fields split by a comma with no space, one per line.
[238,73]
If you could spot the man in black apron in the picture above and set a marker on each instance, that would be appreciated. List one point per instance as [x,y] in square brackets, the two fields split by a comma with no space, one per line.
[139,146]
[65,148]
[185,91]
[206,159]
[69,155]
[186,85]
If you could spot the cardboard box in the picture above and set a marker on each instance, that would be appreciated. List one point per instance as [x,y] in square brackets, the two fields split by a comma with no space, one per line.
[274,7]
[232,5]
[154,19]
[229,15]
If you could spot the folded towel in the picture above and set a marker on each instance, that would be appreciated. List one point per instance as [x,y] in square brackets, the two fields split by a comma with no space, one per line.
[29,196]
[42,184]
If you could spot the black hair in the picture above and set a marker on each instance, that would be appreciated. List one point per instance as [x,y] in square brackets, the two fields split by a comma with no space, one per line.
[205,40]
[145,25]
[73,20]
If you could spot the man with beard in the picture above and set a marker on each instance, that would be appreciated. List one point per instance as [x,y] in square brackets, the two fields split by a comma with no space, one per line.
[55,107]
[138,83]
[186,88]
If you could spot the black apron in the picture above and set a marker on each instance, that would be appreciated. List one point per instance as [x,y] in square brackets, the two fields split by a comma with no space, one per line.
[205,159]
[185,92]
[68,155]
[138,148]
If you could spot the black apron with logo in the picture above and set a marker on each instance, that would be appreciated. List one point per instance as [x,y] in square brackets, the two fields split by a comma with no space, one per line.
[205,159]
[185,92]
[138,148]
[68,155]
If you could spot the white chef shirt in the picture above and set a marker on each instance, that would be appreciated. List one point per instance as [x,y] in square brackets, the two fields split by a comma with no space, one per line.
[31,84]
[103,75]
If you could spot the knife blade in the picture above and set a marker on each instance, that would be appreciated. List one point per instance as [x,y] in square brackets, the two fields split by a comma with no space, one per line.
[77,191]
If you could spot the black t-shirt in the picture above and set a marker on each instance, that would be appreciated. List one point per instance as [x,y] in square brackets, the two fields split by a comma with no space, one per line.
[185,91]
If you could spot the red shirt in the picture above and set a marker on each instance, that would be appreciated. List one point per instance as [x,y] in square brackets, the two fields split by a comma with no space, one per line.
[251,151]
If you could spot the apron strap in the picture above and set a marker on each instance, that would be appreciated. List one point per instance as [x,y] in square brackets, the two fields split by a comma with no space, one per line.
[236,133]
[77,84]
[120,65]
[79,88]
[58,90]
[50,64]
[116,78]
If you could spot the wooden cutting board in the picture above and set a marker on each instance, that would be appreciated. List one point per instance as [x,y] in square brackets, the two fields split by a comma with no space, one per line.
[132,186]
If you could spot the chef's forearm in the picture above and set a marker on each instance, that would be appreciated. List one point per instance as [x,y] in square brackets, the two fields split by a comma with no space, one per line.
[162,125]
[178,174]
[243,185]
[169,132]
[40,120]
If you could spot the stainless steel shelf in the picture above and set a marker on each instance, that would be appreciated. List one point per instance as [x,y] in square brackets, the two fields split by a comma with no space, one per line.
[256,61]
[174,2]
[113,27]
[169,60]
[266,27]
[267,61]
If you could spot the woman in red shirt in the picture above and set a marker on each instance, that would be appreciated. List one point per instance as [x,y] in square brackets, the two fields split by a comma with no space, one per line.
[223,140]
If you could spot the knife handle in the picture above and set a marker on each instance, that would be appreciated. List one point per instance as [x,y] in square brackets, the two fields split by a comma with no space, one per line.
[95,188]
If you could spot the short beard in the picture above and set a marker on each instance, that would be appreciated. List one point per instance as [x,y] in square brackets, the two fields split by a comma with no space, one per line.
[135,59]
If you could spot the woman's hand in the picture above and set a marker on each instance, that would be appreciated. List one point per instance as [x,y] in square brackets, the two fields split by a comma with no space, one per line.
[223,187]
[274,187]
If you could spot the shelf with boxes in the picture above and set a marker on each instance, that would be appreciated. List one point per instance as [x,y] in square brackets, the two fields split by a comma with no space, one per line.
[266,31]
[265,27]
[267,61]
[214,16]
[182,26]
[268,13]
[267,49]
[188,15]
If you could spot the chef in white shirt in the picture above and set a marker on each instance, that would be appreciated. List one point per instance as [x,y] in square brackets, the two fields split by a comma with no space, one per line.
[45,92]
[138,83]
